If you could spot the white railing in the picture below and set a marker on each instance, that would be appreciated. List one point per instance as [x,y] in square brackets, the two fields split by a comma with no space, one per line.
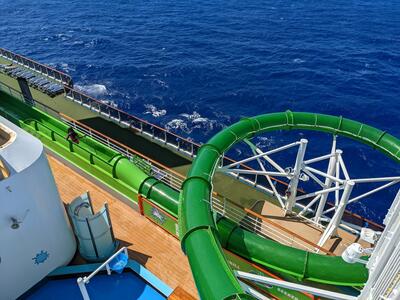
[250,222]
[163,174]
[263,280]
[85,280]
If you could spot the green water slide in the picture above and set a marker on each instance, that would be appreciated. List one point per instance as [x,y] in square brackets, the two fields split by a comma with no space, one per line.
[203,238]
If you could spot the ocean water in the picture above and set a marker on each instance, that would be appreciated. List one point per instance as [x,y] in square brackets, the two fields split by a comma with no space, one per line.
[195,67]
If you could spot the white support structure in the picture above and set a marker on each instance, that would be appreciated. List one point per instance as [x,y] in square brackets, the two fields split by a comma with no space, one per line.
[384,264]
[331,181]
[256,151]
[85,280]
[331,229]
[328,181]
[292,188]
[292,286]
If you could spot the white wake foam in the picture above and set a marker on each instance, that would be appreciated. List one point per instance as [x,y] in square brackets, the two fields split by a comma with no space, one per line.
[178,124]
[151,109]
[95,90]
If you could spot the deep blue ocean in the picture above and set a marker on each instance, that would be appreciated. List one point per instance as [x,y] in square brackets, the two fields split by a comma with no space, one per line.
[197,66]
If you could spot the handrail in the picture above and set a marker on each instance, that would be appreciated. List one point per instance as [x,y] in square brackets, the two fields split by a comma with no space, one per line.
[195,145]
[64,78]
[122,145]
[85,280]
[264,219]
[277,227]
[68,89]
[70,142]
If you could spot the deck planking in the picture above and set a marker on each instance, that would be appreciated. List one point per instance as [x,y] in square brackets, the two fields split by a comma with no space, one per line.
[147,243]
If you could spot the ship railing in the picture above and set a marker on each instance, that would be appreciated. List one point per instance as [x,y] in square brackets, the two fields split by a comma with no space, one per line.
[106,265]
[154,132]
[156,169]
[37,67]
[262,226]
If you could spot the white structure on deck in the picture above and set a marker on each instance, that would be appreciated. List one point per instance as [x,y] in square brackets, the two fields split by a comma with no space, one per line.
[35,234]
[334,181]
[383,264]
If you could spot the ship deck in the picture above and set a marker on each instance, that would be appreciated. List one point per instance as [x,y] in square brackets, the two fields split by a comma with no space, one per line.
[147,243]
[241,194]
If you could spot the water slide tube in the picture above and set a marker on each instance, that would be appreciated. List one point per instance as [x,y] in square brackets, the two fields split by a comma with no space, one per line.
[201,237]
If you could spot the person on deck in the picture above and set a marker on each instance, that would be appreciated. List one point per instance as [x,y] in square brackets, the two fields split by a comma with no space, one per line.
[72,135]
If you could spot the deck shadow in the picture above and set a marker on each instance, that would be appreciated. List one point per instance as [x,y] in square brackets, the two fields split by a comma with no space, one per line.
[131,139]
[140,257]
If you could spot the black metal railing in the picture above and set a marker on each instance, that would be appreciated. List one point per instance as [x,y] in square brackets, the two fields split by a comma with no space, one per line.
[37,67]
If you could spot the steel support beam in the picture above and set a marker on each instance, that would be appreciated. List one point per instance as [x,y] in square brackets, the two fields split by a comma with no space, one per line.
[292,188]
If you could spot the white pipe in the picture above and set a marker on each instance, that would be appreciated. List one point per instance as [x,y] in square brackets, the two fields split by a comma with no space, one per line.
[294,286]
[292,188]
[324,174]
[337,183]
[86,279]
[310,204]
[319,158]
[82,288]
[270,183]
[245,171]
[328,182]
[261,154]
[316,179]
[377,179]
[321,192]
[344,169]
[257,150]
[348,187]
[367,194]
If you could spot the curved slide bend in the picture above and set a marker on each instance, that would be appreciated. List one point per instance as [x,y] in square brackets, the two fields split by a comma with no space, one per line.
[201,237]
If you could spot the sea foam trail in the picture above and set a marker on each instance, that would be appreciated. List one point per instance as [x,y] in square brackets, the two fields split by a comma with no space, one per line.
[151,109]
[95,90]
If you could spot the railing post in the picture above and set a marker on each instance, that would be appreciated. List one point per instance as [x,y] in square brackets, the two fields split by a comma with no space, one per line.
[292,188]
[108,269]
[83,289]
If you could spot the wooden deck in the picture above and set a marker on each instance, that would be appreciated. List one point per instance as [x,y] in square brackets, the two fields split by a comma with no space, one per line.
[148,244]
[309,232]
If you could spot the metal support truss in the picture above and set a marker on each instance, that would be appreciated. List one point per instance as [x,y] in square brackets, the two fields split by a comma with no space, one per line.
[335,180]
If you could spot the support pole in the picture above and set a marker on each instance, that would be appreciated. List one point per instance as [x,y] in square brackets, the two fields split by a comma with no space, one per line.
[292,188]
[348,188]
[82,288]
[328,182]
[333,225]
